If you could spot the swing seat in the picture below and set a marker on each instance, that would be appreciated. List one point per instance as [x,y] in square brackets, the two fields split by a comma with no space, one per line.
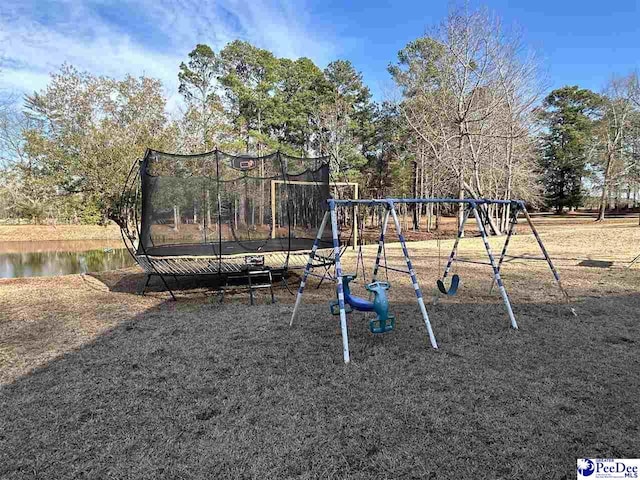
[357,303]
[453,288]
[382,325]
[384,322]
[334,306]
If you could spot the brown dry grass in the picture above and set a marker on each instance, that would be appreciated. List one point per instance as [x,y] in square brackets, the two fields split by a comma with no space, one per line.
[99,382]
[28,233]
[42,318]
[58,246]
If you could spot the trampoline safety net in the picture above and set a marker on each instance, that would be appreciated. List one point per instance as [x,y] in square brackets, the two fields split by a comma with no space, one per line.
[216,204]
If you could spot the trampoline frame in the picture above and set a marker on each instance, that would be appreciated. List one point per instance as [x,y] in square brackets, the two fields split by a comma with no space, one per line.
[216,264]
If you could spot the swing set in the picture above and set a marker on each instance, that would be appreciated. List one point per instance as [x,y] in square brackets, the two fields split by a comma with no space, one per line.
[385,322]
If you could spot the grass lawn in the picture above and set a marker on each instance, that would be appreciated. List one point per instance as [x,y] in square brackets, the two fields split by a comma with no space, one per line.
[100,383]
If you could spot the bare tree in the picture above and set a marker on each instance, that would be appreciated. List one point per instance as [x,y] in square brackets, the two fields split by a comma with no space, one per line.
[518,74]
[617,108]
[469,93]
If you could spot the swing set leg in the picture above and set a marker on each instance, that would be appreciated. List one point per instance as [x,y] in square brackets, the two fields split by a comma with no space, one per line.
[633,261]
[414,279]
[512,227]
[517,207]
[544,252]
[309,267]
[339,286]
[496,273]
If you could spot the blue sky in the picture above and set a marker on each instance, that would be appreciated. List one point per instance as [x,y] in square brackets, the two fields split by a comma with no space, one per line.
[580,42]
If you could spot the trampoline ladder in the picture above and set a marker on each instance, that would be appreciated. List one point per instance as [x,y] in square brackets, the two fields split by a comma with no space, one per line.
[266,274]
[263,276]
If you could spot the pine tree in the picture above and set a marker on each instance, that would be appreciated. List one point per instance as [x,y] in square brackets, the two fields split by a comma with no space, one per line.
[569,113]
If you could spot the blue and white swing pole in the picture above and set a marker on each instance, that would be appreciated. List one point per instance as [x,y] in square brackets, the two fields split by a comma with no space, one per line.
[544,251]
[412,273]
[309,266]
[512,228]
[496,272]
[339,286]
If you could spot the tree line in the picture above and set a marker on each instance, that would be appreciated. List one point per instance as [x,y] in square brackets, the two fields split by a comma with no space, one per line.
[470,119]
[592,143]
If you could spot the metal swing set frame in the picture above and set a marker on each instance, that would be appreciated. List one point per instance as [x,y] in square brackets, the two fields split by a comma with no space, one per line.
[472,205]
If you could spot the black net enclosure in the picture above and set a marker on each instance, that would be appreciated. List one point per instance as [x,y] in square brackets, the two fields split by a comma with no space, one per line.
[215,213]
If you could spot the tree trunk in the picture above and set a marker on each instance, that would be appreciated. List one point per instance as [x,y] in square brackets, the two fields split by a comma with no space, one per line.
[603,197]
[461,205]
[422,187]
[235,216]
[507,208]
[207,198]
[262,184]
[404,217]
[414,207]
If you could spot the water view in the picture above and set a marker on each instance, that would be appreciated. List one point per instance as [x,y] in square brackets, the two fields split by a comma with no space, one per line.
[42,259]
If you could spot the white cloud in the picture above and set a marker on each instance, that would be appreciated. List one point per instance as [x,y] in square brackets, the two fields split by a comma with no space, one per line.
[35,41]
[284,27]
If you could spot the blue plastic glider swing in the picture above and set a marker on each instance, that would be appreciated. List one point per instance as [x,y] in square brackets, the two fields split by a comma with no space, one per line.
[385,322]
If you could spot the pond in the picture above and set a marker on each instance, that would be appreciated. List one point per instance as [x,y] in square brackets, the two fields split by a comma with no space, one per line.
[41,259]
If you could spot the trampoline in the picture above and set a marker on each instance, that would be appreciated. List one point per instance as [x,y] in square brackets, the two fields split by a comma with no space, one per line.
[218,214]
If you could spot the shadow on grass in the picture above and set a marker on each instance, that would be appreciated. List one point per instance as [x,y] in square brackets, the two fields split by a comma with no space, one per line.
[133,282]
[596,263]
[209,391]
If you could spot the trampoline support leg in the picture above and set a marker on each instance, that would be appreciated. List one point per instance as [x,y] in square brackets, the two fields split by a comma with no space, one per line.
[250,289]
[146,284]
[223,289]
[173,297]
